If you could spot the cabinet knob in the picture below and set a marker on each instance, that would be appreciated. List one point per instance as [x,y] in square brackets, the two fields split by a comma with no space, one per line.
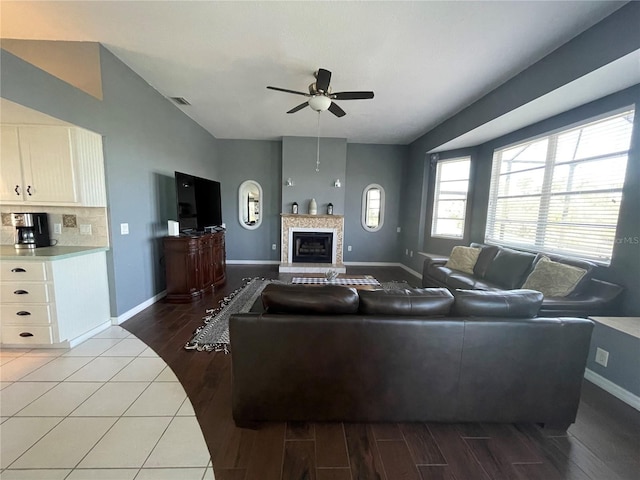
[26,334]
[23,313]
[21,292]
[17,189]
[18,270]
[29,189]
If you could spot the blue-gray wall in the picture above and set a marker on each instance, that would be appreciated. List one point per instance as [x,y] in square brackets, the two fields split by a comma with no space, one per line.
[605,42]
[146,138]
[367,164]
[299,156]
[261,161]
[623,366]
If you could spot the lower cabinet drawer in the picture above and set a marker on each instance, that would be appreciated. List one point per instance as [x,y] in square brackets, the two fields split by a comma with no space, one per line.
[27,335]
[25,314]
[26,293]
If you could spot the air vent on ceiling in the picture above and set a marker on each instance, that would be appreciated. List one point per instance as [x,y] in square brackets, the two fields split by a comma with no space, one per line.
[180,100]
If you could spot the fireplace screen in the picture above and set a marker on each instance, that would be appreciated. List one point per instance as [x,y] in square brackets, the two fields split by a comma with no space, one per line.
[312,247]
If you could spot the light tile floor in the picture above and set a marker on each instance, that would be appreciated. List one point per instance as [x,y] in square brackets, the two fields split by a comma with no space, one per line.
[109,408]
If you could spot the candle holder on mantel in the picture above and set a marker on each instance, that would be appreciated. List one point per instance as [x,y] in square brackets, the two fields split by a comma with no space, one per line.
[330,209]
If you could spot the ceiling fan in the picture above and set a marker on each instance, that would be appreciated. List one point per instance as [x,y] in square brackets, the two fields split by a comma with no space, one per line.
[321,97]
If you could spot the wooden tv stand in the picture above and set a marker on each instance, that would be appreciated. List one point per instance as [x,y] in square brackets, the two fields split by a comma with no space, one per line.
[195,264]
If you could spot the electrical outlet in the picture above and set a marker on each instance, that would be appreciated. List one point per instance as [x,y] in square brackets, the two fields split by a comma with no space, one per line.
[398,229]
[124,229]
[273,246]
[85,229]
[57,228]
[349,248]
[602,356]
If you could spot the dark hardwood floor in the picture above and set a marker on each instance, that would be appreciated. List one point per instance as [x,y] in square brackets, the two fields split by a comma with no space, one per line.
[603,444]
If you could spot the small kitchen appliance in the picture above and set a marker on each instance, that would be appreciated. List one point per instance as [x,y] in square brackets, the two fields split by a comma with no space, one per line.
[32,230]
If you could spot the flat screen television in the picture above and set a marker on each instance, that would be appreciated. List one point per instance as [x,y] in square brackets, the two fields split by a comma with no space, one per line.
[199,203]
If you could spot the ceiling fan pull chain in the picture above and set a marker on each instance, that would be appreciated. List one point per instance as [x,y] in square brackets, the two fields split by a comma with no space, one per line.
[318,146]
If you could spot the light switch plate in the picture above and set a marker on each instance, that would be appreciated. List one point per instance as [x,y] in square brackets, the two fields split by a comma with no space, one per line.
[57,228]
[124,229]
[85,229]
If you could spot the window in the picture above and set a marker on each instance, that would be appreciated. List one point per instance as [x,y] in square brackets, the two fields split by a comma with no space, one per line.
[450,197]
[561,193]
[372,207]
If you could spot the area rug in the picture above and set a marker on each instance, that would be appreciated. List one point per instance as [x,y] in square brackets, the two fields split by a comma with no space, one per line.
[213,336]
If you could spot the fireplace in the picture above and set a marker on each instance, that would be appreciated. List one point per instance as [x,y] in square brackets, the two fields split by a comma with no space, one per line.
[327,226]
[312,247]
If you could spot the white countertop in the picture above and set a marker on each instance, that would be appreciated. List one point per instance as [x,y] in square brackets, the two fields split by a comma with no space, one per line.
[628,325]
[9,252]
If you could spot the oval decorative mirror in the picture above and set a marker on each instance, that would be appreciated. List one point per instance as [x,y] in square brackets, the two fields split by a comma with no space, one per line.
[250,204]
[372,207]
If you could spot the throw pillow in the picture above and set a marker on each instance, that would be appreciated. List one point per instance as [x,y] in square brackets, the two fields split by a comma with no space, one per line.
[554,279]
[463,259]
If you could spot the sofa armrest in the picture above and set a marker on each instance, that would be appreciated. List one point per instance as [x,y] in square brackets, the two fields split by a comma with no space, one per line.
[434,259]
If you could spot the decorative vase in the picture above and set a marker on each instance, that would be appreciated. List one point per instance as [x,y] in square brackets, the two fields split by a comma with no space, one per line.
[313,207]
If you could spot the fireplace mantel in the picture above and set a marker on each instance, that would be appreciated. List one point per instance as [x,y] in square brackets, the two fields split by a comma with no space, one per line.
[290,222]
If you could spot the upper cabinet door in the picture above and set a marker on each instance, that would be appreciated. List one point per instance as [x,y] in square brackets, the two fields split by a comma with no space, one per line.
[11,187]
[47,160]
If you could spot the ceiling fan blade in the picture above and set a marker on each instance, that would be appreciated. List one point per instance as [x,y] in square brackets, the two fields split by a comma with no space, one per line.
[352,95]
[288,91]
[322,80]
[299,107]
[336,110]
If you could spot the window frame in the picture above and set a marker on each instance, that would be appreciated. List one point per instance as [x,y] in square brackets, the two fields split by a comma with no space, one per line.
[436,200]
[365,207]
[540,242]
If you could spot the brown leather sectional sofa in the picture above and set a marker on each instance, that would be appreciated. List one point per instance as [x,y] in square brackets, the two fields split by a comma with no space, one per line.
[411,355]
[499,268]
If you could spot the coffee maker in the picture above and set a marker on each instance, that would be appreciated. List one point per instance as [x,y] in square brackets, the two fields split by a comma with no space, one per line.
[32,230]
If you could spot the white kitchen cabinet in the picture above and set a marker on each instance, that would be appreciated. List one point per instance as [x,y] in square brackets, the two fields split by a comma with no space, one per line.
[53,302]
[10,165]
[52,165]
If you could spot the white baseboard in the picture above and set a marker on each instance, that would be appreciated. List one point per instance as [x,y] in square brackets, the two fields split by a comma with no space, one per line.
[137,309]
[615,390]
[253,262]
[411,271]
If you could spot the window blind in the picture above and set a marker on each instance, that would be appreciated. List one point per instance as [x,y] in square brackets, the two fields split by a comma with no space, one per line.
[561,193]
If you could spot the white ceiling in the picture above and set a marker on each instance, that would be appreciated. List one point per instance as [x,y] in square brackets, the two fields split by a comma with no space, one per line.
[424,60]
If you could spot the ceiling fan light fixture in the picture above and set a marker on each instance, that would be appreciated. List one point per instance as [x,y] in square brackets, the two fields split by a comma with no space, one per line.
[319,103]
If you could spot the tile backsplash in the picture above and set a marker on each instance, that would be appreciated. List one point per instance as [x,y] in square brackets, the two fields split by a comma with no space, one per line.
[95,217]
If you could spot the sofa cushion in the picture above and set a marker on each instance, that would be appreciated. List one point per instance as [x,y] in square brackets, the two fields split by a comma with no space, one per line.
[487,254]
[463,259]
[460,280]
[510,303]
[554,279]
[312,299]
[509,268]
[406,301]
